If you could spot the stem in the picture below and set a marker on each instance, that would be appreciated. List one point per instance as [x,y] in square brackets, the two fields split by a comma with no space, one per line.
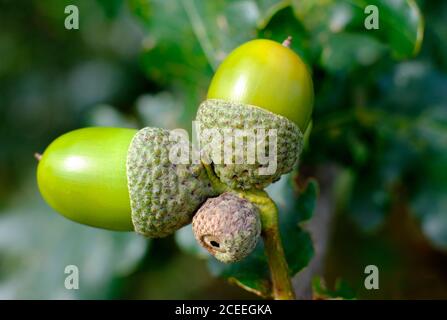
[279,270]
[218,186]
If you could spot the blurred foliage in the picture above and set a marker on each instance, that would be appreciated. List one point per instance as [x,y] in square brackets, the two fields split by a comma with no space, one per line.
[51,81]
[342,291]
[36,250]
[380,116]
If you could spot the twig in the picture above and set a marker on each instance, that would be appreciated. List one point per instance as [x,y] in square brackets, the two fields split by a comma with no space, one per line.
[279,270]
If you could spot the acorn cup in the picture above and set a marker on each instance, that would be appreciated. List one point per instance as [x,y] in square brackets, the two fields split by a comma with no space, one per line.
[269,143]
[121,179]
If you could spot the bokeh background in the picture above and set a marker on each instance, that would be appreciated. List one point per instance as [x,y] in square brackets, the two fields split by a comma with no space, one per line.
[378,147]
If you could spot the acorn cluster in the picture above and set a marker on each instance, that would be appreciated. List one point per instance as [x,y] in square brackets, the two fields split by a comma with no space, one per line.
[124,179]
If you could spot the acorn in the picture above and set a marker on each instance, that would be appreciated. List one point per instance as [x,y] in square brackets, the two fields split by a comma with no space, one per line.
[121,179]
[228,226]
[264,87]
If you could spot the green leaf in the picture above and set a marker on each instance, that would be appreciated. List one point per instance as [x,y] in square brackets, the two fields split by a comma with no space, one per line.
[342,291]
[436,32]
[172,55]
[343,51]
[294,210]
[268,9]
[283,24]
[326,16]
[400,23]
[252,273]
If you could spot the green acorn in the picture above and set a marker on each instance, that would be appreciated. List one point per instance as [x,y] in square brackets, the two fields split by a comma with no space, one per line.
[228,227]
[121,179]
[261,85]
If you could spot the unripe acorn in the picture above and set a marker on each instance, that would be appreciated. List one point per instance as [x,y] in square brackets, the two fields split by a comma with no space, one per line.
[261,84]
[228,227]
[269,75]
[121,179]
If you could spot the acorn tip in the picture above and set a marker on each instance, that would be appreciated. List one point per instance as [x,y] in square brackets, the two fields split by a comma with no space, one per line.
[38,156]
[287,42]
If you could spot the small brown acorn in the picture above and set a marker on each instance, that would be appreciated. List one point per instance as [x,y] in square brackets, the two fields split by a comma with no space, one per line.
[228,227]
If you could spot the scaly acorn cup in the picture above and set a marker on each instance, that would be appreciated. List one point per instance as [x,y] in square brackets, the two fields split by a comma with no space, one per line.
[121,179]
[228,227]
[163,195]
[219,116]
[260,85]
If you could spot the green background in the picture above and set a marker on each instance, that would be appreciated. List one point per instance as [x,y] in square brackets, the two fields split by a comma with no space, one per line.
[371,183]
